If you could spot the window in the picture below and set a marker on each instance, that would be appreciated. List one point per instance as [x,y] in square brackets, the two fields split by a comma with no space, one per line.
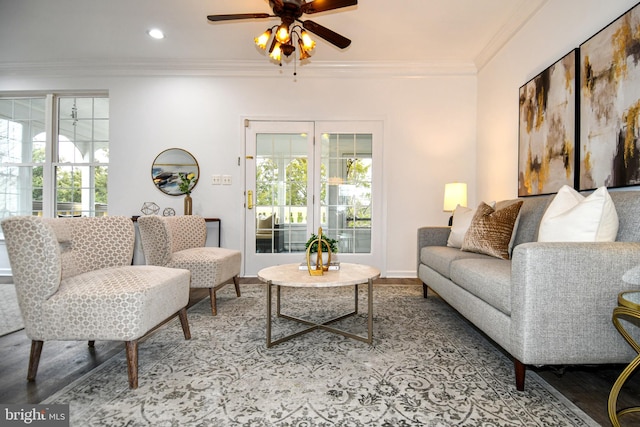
[54,155]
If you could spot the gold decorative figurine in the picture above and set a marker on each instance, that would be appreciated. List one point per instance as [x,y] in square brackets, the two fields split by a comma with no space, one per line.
[319,268]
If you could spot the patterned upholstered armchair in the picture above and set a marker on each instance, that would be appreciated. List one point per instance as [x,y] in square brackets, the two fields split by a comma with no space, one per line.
[75,281]
[179,242]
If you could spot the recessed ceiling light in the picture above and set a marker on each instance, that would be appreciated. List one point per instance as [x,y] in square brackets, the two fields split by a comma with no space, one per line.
[156,33]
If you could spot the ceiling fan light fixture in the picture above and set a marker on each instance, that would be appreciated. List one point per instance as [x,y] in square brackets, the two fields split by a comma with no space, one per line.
[304,53]
[292,32]
[282,34]
[288,49]
[276,52]
[306,41]
[263,39]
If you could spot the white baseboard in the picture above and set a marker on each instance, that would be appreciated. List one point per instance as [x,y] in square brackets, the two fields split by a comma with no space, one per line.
[399,274]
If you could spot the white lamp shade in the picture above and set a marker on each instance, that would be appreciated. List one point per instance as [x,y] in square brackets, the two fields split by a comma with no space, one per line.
[455,193]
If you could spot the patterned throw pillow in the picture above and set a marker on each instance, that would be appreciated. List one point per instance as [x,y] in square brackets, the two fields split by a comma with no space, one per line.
[491,230]
[462,218]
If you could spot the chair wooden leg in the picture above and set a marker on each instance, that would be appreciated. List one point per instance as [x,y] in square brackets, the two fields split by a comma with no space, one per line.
[520,370]
[34,359]
[425,290]
[212,296]
[182,314]
[236,282]
[132,362]
[92,344]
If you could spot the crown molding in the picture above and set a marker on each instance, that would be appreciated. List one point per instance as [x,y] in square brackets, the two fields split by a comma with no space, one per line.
[522,15]
[227,68]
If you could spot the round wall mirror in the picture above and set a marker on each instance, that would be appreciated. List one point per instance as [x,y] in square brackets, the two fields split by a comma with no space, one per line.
[168,167]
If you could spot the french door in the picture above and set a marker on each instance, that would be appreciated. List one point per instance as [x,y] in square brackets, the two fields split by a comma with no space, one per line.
[301,176]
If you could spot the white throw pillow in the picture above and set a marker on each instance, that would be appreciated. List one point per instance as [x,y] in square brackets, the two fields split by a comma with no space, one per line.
[571,217]
[462,217]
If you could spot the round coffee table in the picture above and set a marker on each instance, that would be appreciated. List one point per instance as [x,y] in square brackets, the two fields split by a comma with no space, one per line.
[290,275]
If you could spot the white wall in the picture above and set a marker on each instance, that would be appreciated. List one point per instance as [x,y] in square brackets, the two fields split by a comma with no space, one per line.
[429,138]
[557,28]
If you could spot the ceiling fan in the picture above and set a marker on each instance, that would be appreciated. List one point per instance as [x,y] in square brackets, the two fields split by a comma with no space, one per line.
[289,12]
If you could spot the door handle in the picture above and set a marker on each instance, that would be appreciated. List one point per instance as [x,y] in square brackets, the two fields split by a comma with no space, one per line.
[249,199]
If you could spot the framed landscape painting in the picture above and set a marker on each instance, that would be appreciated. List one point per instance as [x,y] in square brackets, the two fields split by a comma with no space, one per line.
[610,105]
[548,129]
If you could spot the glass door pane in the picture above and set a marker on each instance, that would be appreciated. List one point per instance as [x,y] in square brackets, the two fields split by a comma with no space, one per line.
[281,192]
[279,178]
[346,190]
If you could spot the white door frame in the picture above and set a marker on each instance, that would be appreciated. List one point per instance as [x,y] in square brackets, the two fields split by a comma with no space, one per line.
[377,257]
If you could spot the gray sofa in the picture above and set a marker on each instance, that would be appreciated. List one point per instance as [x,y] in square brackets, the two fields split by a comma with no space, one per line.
[551,303]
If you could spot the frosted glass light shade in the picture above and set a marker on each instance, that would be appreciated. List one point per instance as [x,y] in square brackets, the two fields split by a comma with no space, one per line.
[455,193]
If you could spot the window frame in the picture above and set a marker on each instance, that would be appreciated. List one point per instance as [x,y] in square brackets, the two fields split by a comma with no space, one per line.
[52,143]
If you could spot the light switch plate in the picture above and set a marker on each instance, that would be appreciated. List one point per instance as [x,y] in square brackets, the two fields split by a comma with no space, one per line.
[215,180]
[226,179]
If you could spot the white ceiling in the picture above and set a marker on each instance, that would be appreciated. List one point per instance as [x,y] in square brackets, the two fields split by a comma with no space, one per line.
[412,31]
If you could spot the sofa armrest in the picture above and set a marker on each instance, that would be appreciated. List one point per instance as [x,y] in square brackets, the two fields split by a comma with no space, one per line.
[432,236]
[562,299]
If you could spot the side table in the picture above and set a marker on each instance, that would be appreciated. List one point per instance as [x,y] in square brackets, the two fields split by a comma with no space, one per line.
[629,307]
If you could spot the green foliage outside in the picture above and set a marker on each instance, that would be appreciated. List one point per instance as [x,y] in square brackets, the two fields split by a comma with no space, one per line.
[358,174]
[68,182]
[296,182]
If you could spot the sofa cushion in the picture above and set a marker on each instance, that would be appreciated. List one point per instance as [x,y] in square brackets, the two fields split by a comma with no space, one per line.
[439,258]
[489,279]
[116,303]
[572,217]
[627,206]
[491,230]
[529,218]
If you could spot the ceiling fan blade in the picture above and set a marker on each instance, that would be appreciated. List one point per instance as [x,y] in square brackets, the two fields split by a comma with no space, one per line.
[232,17]
[324,5]
[330,36]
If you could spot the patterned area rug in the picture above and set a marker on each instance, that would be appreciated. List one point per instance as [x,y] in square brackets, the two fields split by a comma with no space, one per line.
[427,367]
[10,318]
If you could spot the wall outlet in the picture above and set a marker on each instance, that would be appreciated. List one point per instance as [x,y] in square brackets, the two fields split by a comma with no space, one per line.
[216,180]
[226,179]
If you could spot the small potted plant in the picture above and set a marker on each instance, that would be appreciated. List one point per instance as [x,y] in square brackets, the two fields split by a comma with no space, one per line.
[333,243]
[330,262]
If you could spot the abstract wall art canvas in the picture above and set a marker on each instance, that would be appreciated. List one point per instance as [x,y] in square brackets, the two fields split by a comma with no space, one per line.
[548,129]
[610,105]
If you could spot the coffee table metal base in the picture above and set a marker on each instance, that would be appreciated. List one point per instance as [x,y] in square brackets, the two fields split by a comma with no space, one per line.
[324,325]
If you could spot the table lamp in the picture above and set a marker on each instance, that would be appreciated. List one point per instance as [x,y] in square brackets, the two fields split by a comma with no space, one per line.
[455,193]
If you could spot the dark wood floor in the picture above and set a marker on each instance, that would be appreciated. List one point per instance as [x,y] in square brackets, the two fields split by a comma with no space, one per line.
[63,362]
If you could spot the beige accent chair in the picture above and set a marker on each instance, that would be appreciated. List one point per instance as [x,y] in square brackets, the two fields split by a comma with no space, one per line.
[75,281]
[264,234]
[179,242]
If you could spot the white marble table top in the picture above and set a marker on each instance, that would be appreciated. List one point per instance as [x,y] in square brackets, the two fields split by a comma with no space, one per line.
[291,275]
